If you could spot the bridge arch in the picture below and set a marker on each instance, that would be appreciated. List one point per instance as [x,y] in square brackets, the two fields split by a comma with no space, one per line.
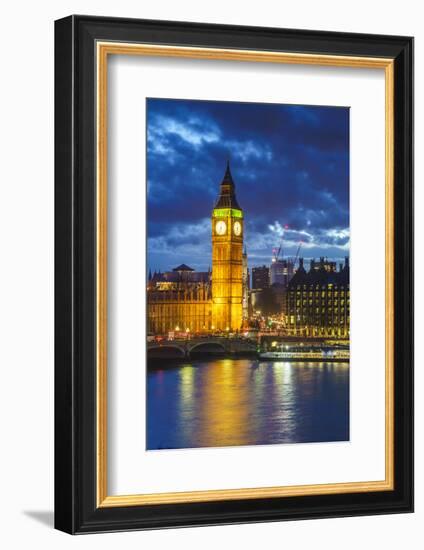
[212,348]
[168,351]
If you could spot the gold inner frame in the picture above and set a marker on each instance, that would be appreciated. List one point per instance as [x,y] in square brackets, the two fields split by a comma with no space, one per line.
[104,49]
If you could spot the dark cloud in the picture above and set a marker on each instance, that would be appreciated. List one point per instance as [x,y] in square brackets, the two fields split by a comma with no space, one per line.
[290,164]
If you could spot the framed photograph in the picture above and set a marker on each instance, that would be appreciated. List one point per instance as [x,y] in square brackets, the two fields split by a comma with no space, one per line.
[234,274]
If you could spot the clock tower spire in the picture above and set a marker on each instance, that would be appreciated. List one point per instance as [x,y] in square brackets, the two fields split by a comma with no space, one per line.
[227,258]
[227,196]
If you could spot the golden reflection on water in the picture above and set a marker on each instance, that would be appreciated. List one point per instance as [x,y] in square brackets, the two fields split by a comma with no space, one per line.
[187,373]
[231,407]
[243,402]
[224,406]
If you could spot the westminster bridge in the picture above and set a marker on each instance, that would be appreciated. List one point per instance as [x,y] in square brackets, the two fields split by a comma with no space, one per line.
[186,348]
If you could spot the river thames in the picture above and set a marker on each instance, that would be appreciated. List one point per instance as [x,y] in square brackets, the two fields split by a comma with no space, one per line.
[226,402]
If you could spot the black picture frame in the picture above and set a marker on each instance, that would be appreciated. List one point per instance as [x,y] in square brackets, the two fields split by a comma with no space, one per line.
[76,510]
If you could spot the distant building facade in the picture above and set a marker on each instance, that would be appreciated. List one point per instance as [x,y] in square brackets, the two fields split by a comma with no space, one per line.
[281,272]
[246,288]
[329,266]
[318,301]
[260,277]
[179,300]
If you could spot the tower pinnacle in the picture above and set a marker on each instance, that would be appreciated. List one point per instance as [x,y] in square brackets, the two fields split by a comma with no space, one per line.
[227,195]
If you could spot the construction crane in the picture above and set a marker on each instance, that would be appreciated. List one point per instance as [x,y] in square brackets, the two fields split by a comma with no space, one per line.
[297,253]
[276,251]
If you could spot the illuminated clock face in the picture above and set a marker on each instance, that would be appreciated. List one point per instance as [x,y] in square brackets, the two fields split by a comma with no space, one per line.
[237,228]
[221,227]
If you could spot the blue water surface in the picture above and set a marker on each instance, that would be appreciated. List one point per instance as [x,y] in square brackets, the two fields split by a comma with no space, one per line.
[222,402]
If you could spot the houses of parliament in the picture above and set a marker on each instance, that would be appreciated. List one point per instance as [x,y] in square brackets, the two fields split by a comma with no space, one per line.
[217,300]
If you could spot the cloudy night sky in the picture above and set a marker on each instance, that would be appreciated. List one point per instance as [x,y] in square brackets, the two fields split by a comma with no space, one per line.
[290,165]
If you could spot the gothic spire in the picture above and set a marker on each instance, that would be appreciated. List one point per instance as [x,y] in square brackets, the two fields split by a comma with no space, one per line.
[228,178]
[227,195]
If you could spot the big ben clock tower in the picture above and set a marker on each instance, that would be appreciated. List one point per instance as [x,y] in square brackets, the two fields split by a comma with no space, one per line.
[227,258]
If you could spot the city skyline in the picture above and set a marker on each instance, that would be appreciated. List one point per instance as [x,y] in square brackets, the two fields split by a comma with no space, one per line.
[302,151]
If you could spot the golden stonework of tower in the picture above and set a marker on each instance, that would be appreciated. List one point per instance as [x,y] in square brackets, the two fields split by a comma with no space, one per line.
[227,258]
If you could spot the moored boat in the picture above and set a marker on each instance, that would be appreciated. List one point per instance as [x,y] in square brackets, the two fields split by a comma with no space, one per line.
[311,355]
